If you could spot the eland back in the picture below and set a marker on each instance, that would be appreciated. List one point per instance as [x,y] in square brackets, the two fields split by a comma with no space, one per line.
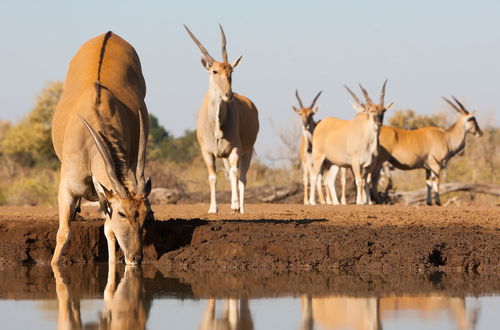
[99,132]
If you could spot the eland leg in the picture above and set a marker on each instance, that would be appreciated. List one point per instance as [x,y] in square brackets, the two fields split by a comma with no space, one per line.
[435,188]
[316,168]
[343,181]
[234,173]
[368,181]
[428,183]
[67,207]
[111,239]
[331,184]
[212,179]
[375,174]
[305,180]
[358,178]
[319,188]
[326,176]
[244,166]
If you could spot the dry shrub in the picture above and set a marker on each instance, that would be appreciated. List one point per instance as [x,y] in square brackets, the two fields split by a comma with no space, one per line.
[30,187]
[193,176]
[163,176]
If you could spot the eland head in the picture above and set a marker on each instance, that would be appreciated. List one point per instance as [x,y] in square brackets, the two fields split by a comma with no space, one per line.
[373,110]
[219,72]
[468,118]
[126,205]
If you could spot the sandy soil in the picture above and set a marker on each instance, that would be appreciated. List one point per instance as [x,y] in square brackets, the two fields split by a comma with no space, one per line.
[277,237]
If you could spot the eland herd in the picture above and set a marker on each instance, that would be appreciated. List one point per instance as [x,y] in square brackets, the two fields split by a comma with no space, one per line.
[100,131]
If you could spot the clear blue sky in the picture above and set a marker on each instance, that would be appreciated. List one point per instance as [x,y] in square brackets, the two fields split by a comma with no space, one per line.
[427,49]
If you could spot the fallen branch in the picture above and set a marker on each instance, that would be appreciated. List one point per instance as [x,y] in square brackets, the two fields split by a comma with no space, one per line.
[273,194]
[420,195]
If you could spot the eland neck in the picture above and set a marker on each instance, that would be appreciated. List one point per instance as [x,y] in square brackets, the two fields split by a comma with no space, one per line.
[217,110]
[307,132]
[366,128]
[455,136]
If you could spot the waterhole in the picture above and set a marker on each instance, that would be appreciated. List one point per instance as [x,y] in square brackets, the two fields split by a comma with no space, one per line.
[118,297]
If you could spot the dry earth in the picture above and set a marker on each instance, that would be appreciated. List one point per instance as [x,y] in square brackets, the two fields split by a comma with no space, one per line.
[277,237]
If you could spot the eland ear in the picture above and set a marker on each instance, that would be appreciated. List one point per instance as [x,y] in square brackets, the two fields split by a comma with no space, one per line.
[357,107]
[295,109]
[206,63]
[235,63]
[316,109]
[104,196]
[389,106]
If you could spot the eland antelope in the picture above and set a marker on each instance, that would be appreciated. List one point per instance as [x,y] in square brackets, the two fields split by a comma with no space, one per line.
[227,128]
[99,132]
[308,125]
[429,148]
[349,143]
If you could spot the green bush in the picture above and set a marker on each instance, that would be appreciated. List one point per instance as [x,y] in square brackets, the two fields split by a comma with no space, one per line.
[163,146]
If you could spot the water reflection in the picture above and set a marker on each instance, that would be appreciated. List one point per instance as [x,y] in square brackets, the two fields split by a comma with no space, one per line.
[236,316]
[68,316]
[125,306]
[133,298]
[429,307]
[341,312]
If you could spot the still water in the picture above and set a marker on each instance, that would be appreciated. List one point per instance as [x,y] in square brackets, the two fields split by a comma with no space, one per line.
[98,297]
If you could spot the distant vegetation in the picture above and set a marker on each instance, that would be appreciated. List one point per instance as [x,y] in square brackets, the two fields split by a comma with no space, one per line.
[29,167]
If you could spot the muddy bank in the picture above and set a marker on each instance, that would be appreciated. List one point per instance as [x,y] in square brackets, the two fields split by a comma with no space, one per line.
[352,239]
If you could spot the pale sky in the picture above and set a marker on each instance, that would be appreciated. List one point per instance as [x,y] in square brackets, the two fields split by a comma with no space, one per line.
[427,49]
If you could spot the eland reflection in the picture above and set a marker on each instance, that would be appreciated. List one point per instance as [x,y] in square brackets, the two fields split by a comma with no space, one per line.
[125,303]
[125,306]
[233,317]
[342,312]
[429,307]
[68,314]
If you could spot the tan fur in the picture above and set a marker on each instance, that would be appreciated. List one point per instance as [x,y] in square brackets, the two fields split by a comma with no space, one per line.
[305,150]
[104,86]
[429,148]
[228,124]
[349,143]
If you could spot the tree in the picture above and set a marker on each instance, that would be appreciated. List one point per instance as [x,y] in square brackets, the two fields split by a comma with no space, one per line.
[158,138]
[4,127]
[162,145]
[29,142]
[182,149]
[289,138]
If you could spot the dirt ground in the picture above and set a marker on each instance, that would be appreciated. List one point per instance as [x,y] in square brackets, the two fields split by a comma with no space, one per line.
[277,237]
